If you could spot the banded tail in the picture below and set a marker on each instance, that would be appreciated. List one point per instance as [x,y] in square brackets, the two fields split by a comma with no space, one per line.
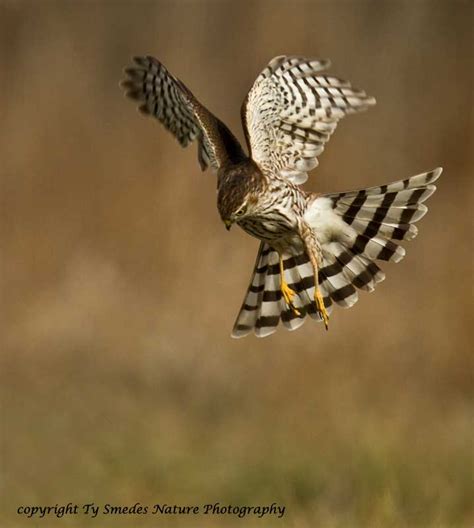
[354,230]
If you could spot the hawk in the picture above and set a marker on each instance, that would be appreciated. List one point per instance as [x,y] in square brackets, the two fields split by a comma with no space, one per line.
[316,250]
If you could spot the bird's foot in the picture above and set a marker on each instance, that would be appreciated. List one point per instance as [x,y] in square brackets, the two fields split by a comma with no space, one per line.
[288,295]
[321,307]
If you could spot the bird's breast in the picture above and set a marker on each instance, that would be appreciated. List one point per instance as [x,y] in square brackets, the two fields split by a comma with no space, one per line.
[269,227]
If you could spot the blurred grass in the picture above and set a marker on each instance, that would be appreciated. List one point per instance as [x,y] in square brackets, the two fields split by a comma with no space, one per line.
[119,381]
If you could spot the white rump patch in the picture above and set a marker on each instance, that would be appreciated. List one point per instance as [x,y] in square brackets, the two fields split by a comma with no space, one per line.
[327,224]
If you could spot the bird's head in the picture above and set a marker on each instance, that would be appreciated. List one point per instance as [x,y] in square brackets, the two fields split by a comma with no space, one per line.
[237,195]
[235,216]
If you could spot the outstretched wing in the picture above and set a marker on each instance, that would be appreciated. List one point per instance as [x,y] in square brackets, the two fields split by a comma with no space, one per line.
[165,97]
[291,112]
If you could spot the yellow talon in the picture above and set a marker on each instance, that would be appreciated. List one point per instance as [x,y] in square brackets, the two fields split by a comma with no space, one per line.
[321,308]
[288,295]
[286,291]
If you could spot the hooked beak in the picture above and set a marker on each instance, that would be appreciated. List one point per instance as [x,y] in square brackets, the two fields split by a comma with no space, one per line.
[228,224]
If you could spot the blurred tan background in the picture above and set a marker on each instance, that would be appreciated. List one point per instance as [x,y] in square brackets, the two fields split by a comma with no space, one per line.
[120,285]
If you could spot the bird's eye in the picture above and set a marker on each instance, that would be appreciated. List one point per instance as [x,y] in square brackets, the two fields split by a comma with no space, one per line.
[241,211]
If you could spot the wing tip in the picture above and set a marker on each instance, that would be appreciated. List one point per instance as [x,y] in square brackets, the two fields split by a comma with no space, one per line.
[265,331]
[436,173]
[238,335]
[320,64]
[241,330]
[139,60]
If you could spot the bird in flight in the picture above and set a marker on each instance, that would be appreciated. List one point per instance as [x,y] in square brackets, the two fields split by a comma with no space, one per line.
[315,250]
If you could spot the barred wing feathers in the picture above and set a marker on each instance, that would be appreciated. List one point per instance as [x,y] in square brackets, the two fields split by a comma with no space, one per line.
[354,230]
[291,112]
[166,98]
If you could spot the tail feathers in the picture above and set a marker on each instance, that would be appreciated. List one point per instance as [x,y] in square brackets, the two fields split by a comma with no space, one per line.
[264,306]
[362,272]
[354,229]
[268,313]
[295,274]
[422,180]
[249,311]
[334,282]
